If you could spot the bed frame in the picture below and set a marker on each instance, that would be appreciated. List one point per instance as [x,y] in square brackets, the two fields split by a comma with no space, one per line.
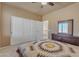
[66,38]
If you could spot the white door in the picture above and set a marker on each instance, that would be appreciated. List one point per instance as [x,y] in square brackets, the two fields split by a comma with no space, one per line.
[38,30]
[45,29]
[33,30]
[16,30]
[28,30]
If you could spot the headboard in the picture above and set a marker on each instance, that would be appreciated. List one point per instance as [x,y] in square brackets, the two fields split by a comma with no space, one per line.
[66,38]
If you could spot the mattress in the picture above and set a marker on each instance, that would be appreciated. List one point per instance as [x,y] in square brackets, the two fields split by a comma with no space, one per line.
[48,48]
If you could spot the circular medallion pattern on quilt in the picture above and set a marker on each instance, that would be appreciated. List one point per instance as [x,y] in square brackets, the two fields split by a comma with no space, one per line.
[50,48]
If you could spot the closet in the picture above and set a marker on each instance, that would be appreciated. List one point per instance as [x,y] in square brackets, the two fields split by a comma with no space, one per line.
[23,30]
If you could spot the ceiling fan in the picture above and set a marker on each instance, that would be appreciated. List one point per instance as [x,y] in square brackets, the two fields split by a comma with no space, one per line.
[45,3]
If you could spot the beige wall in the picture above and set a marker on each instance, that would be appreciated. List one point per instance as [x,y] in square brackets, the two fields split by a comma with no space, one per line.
[0,22]
[9,11]
[70,12]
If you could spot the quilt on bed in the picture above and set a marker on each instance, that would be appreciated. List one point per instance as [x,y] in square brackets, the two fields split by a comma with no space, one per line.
[46,48]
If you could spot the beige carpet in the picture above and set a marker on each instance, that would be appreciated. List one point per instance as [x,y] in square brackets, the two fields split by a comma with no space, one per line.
[9,51]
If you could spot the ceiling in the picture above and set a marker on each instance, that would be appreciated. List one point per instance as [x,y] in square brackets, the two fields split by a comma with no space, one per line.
[36,7]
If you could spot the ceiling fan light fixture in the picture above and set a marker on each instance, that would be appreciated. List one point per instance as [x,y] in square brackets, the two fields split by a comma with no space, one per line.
[44,3]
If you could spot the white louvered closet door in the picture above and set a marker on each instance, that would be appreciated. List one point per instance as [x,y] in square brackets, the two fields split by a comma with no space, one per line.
[16,30]
[45,29]
[28,30]
[38,30]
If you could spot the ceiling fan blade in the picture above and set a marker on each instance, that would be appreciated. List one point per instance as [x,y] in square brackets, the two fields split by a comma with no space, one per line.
[34,2]
[50,3]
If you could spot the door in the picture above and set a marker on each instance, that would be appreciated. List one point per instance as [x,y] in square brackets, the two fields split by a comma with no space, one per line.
[16,30]
[38,30]
[28,33]
[45,30]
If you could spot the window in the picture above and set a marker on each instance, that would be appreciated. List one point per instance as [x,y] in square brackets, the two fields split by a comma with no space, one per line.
[65,27]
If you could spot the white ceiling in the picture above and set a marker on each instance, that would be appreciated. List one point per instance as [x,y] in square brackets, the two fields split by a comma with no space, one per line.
[36,7]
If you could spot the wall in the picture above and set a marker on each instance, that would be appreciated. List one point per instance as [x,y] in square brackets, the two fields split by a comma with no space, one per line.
[70,12]
[0,22]
[9,11]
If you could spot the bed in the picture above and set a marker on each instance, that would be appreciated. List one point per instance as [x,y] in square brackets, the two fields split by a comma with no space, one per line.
[47,48]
